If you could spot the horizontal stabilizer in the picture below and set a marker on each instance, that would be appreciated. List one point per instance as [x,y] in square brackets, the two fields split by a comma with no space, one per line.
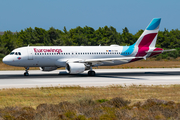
[169,50]
[154,51]
[161,51]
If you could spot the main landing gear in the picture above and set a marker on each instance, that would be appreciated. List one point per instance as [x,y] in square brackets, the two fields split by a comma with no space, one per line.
[26,71]
[91,72]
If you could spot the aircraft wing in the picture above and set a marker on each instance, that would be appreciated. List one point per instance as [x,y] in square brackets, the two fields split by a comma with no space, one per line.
[99,61]
[110,59]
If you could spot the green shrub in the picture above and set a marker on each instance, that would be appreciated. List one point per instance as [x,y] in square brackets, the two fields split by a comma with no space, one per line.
[102,100]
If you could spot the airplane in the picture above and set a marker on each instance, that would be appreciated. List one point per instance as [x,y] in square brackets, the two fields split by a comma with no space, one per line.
[77,59]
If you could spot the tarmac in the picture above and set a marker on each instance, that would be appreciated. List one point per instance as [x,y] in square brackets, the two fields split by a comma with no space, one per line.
[104,77]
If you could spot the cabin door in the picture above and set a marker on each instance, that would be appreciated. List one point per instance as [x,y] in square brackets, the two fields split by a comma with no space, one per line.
[30,54]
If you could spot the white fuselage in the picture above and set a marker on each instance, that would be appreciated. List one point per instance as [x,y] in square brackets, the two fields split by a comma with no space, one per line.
[58,56]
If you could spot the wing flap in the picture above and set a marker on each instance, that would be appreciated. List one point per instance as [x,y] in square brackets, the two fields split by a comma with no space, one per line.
[110,59]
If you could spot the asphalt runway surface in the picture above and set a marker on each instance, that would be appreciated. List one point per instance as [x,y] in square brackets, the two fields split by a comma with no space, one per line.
[104,77]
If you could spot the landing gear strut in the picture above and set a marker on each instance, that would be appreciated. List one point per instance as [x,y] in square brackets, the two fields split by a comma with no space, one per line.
[26,72]
[91,72]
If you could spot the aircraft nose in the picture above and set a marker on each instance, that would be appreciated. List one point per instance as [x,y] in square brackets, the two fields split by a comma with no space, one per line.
[5,60]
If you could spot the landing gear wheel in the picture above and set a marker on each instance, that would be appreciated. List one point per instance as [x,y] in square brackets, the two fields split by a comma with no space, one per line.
[91,73]
[26,71]
[26,74]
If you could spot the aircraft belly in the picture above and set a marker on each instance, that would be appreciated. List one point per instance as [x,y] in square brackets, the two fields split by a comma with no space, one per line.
[40,63]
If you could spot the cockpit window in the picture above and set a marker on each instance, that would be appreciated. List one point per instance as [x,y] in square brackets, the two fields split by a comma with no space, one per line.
[12,53]
[15,53]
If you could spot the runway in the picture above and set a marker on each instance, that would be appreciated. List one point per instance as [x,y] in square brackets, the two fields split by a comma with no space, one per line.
[104,77]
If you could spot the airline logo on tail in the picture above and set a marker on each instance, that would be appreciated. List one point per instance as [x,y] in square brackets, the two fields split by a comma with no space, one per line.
[147,41]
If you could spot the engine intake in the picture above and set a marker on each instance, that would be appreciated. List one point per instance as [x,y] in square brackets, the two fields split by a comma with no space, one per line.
[75,68]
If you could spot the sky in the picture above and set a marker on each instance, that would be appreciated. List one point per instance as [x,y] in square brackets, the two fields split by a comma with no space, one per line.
[17,15]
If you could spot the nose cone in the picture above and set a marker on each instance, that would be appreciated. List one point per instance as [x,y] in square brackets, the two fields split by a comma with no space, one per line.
[6,60]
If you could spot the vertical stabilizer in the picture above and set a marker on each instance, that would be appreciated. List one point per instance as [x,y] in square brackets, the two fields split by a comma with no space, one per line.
[147,40]
[149,36]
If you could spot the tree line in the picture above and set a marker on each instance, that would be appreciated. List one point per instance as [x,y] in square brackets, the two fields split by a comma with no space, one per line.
[85,36]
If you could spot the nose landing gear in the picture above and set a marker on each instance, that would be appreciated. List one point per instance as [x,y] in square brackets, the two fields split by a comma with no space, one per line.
[26,71]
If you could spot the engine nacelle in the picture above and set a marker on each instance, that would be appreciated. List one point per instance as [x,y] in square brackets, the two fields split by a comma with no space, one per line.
[48,68]
[75,68]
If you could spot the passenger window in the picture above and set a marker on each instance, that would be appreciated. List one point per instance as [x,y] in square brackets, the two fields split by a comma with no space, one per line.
[42,53]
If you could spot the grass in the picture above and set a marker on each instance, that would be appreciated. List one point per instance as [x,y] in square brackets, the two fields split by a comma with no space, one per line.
[35,96]
[75,102]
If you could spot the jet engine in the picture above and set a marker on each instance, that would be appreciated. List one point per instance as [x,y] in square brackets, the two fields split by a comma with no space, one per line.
[75,68]
[48,68]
